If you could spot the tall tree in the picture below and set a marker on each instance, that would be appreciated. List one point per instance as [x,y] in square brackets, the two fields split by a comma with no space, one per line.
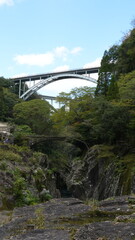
[126,86]
[107,70]
[113,90]
[2,104]
[126,54]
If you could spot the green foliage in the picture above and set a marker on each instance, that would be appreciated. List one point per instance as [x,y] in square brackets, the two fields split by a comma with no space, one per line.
[93,203]
[92,121]
[114,122]
[85,119]
[126,167]
[126,54]
[126,86]
[107,71]
[46,197]
[39,177]
[3,165]
[106,151]
[18,189]
[5,82]
[9,155]
[29,198]
[20,134]
[113,90]
[2,104]
[10,99]
[36,157]
[7,99]
[116,61]
[21,194]
[19,149]
[79,102]
[58,158]
[34,113]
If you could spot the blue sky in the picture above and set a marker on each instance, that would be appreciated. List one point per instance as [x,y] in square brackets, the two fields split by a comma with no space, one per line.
[40,36]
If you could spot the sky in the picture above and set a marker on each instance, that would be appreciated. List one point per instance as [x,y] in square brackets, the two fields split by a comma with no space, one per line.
[41,36]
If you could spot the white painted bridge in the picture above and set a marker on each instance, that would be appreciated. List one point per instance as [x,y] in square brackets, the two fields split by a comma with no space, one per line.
[42,80]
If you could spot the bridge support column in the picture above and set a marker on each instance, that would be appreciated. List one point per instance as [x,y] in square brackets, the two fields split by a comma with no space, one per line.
[52,102]
[20,86]
[24,85]
[59,104]
[30,83]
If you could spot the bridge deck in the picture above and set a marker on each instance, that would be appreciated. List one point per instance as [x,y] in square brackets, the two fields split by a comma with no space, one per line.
[47,75]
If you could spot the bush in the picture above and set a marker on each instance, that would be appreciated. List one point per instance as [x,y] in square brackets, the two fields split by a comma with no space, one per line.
[9,156]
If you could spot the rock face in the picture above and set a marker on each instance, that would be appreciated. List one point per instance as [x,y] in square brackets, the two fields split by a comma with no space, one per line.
[26,177]
[71,219]
[23,176]
[101,174]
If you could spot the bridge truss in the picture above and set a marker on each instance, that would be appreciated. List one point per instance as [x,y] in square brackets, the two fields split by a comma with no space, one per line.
[45,79]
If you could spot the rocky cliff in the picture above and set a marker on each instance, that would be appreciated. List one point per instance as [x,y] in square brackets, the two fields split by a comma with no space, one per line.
[25,177]
[105,171]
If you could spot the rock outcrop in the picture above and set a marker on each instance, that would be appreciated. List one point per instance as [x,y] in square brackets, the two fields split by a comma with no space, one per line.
[24,175]
[71,219]
[102,174]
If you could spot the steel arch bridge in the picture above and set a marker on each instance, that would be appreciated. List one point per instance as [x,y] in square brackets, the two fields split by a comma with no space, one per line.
[45,79]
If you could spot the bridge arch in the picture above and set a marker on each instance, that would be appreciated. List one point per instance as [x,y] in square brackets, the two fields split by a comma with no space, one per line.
[52,79]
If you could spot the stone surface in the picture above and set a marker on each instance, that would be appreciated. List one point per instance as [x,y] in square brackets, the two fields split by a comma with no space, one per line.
[106,231]
[47,219]
[45,235]
[70,218]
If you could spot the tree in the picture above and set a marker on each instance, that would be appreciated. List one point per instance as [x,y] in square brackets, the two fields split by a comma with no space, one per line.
[7,99]
[126,54]
[114,124]
[10,99]
[78,101]
[34,113]
[5,82]
[126,86]
[107,70]
[113,90]
[2,104]
[73,123]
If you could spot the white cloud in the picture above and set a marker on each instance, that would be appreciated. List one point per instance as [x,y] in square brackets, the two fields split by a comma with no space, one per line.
[95,63]
[47,58]
[61,52]
[76,50]
[61,68]
[35,59]
[7,2]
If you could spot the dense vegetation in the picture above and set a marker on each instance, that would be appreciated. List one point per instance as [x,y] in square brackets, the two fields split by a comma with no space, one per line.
[105,115]
[108,116]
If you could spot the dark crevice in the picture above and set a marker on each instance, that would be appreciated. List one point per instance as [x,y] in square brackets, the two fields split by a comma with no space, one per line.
[62,186]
